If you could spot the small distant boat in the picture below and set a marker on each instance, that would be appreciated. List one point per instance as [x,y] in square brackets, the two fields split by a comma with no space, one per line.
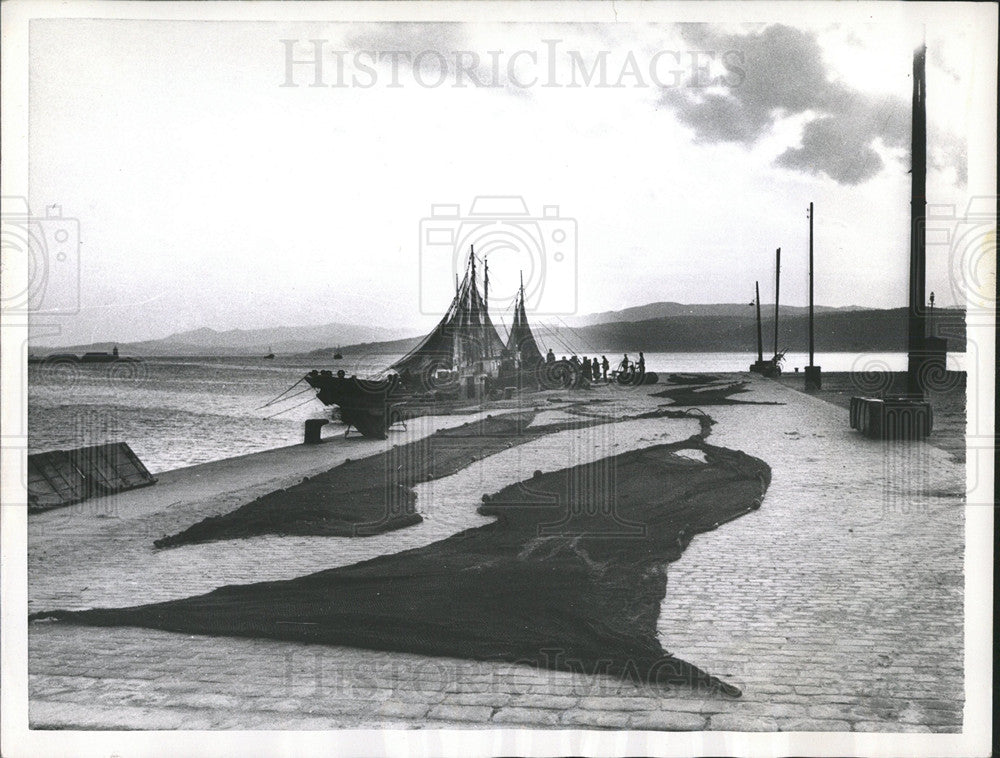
[269,356]
[337,356]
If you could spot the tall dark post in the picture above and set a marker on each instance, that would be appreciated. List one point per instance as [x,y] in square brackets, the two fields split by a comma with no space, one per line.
[488,346]
[760,336]
[909,417]
[486,284]
[777,291]
[811,341]
[813,373]
[917,326]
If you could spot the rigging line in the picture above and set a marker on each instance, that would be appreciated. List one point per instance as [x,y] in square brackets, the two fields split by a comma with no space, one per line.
[265,405]
[560,342]
[554,334]
[286,410]
[589,347]
[280,395]
[504,325]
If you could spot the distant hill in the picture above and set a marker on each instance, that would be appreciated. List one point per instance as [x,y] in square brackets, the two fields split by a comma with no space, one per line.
[669,309]
[837,330]
[205,341]
[850,330]
[726,327]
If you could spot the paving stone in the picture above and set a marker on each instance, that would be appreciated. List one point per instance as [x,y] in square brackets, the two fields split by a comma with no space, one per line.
[889,727]
[391,710]
[812,725]
[492,699]
[667,721]
[596,719]
[476,713]
[736,722]
[530,700]
[527,716]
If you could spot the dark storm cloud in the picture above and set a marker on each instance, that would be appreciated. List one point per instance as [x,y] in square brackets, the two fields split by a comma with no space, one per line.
[786,76]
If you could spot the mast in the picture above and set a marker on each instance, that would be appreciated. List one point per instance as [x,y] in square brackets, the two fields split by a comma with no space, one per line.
[520,309]
[486,306]
[777,290]
[486,284]
[760,336]
[811,339]
[473,312]
[917,320]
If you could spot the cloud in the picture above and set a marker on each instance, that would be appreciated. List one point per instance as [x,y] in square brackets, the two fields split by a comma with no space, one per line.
[785,77]
[946,151]
[444,53]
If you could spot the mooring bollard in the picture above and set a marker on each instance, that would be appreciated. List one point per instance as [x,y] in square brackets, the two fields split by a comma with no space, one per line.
[314,427]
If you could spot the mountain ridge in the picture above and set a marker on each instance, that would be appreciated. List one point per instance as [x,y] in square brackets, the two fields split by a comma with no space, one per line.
[712,327]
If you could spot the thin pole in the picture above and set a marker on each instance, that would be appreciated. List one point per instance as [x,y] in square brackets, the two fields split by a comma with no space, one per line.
[811,337]
[487,344]
[917,321]
[760,335]
[777,290]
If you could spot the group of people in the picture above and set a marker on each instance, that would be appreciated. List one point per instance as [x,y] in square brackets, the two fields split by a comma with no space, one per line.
[595,370]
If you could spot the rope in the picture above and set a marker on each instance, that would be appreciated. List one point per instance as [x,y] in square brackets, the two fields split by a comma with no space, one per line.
[286,410]
[271,402]
[265,405]
[554,335]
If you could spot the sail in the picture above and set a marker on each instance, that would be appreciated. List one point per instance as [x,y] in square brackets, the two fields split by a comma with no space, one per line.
[521,339]
[463,337]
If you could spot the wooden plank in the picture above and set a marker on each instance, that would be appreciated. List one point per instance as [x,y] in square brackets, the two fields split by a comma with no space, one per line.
[64,477]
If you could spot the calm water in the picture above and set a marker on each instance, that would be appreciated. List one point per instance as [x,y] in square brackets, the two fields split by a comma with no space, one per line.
[181,411]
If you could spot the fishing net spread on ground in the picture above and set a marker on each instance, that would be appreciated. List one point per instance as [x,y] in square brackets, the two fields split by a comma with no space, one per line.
[575,563]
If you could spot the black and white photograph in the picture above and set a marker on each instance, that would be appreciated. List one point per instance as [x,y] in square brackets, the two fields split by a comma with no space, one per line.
[492,378]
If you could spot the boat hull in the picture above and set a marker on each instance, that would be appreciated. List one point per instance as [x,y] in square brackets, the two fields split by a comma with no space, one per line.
[369,405]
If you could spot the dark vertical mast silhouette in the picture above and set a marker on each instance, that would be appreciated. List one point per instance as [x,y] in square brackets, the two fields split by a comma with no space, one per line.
[917,326]
[777,290]
[813,374]
[760,335]
[486,304]
[811,341]
[909,416]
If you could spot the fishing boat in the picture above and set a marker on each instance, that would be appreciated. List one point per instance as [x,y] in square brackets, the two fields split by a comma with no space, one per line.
[269,356]
[462,360]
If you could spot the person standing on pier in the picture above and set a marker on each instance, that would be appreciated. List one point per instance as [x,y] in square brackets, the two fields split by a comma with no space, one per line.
[642,364]
[605,366]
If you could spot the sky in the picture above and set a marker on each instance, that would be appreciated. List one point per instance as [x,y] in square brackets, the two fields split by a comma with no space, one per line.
[216,184]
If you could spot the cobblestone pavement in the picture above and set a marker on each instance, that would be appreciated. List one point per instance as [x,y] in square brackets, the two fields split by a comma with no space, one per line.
[837,606]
